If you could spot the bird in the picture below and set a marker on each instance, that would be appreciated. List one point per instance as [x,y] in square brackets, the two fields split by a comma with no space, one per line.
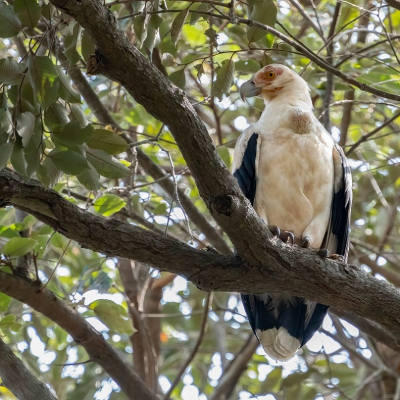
[298,180]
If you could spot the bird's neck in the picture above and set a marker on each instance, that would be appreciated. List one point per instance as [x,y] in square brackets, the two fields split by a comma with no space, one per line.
[295,95]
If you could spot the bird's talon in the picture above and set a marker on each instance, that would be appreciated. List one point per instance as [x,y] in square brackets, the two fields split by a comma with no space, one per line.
[323,253]
[336,257]
[274,230]
[286,236]
[306,243]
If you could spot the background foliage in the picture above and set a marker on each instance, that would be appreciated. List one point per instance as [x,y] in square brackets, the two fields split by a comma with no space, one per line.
[48,131]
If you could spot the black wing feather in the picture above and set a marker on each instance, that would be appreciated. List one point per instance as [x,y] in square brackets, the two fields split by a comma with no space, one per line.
[341,207]
[246,173]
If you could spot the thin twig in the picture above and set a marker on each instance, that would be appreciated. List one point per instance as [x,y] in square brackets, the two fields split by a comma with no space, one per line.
[55,268]
[306,16]
[373,132]
[182,370]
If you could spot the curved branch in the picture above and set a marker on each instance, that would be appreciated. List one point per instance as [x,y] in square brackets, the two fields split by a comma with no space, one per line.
[81,331]
[268,265]
[280,268]
[17,378]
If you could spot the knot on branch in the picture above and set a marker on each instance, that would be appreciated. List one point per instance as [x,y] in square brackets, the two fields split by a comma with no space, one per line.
[223,204]
[95,63]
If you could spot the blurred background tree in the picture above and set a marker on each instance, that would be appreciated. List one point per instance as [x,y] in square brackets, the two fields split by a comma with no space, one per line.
[86,137]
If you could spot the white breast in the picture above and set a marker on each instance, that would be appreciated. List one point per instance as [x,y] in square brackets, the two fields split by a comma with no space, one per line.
[294,173]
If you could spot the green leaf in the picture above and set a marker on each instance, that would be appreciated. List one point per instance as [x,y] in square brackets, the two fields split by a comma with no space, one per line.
[139,26]
[78,115]
[34,150]
[8,322]
[106,165]
[25,98]
[5,154]
[247,66]
[110,142]
[25,126]
[194,17]
[71,134]
[224,79]
[200,70]
[273,381]
[109,204]
[161,209]
[47,11]
[4,302]
[224,154]
[17,247]
[57,240]
[5,122]
[87,46]
[6,232]
[70,162]
[55,115]
[10,71]
[177,25]
[178,78]
[10,24]
[28,12]
[17,158]
[90,178]
[44,80]
[152,28]
[65,90]
[70,46]
[48,173]
[264,11]
[112,315]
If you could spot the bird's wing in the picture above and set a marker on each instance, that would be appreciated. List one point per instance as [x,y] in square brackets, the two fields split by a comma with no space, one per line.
[337,235]
[244,167]
[337,238]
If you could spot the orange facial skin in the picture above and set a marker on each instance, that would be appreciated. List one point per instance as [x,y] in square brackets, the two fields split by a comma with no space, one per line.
[267,75]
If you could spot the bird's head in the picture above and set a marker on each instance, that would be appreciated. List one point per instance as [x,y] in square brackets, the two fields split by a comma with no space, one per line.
[271,81]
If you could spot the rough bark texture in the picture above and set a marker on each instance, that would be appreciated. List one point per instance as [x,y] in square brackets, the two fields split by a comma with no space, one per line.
[17,378]
[280,268]
[81,331]
[394,3]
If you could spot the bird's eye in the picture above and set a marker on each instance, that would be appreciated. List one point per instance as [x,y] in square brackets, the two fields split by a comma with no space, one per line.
[271,74]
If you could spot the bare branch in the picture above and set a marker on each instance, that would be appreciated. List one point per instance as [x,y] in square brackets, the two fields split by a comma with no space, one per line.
[17,378]
[196,347]
[346,118]
[369,328]
[307,17]
[235,369]
[373,132]
[81,331]
[394,3]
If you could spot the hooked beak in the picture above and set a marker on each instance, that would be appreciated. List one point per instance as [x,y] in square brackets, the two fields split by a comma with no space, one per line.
[249,89]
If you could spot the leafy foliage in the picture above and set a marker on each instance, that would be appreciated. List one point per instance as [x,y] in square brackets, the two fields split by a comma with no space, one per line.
[49,131]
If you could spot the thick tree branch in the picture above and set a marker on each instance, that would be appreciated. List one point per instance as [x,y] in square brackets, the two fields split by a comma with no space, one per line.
[281,268]
[157,173]
[394,3]
[17,378]
[81,331]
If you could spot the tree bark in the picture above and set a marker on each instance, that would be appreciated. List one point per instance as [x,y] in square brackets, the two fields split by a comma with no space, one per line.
[272,266]
[17,378]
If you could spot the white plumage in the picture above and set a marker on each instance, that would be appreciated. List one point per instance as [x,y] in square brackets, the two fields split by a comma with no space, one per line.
[295,175]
